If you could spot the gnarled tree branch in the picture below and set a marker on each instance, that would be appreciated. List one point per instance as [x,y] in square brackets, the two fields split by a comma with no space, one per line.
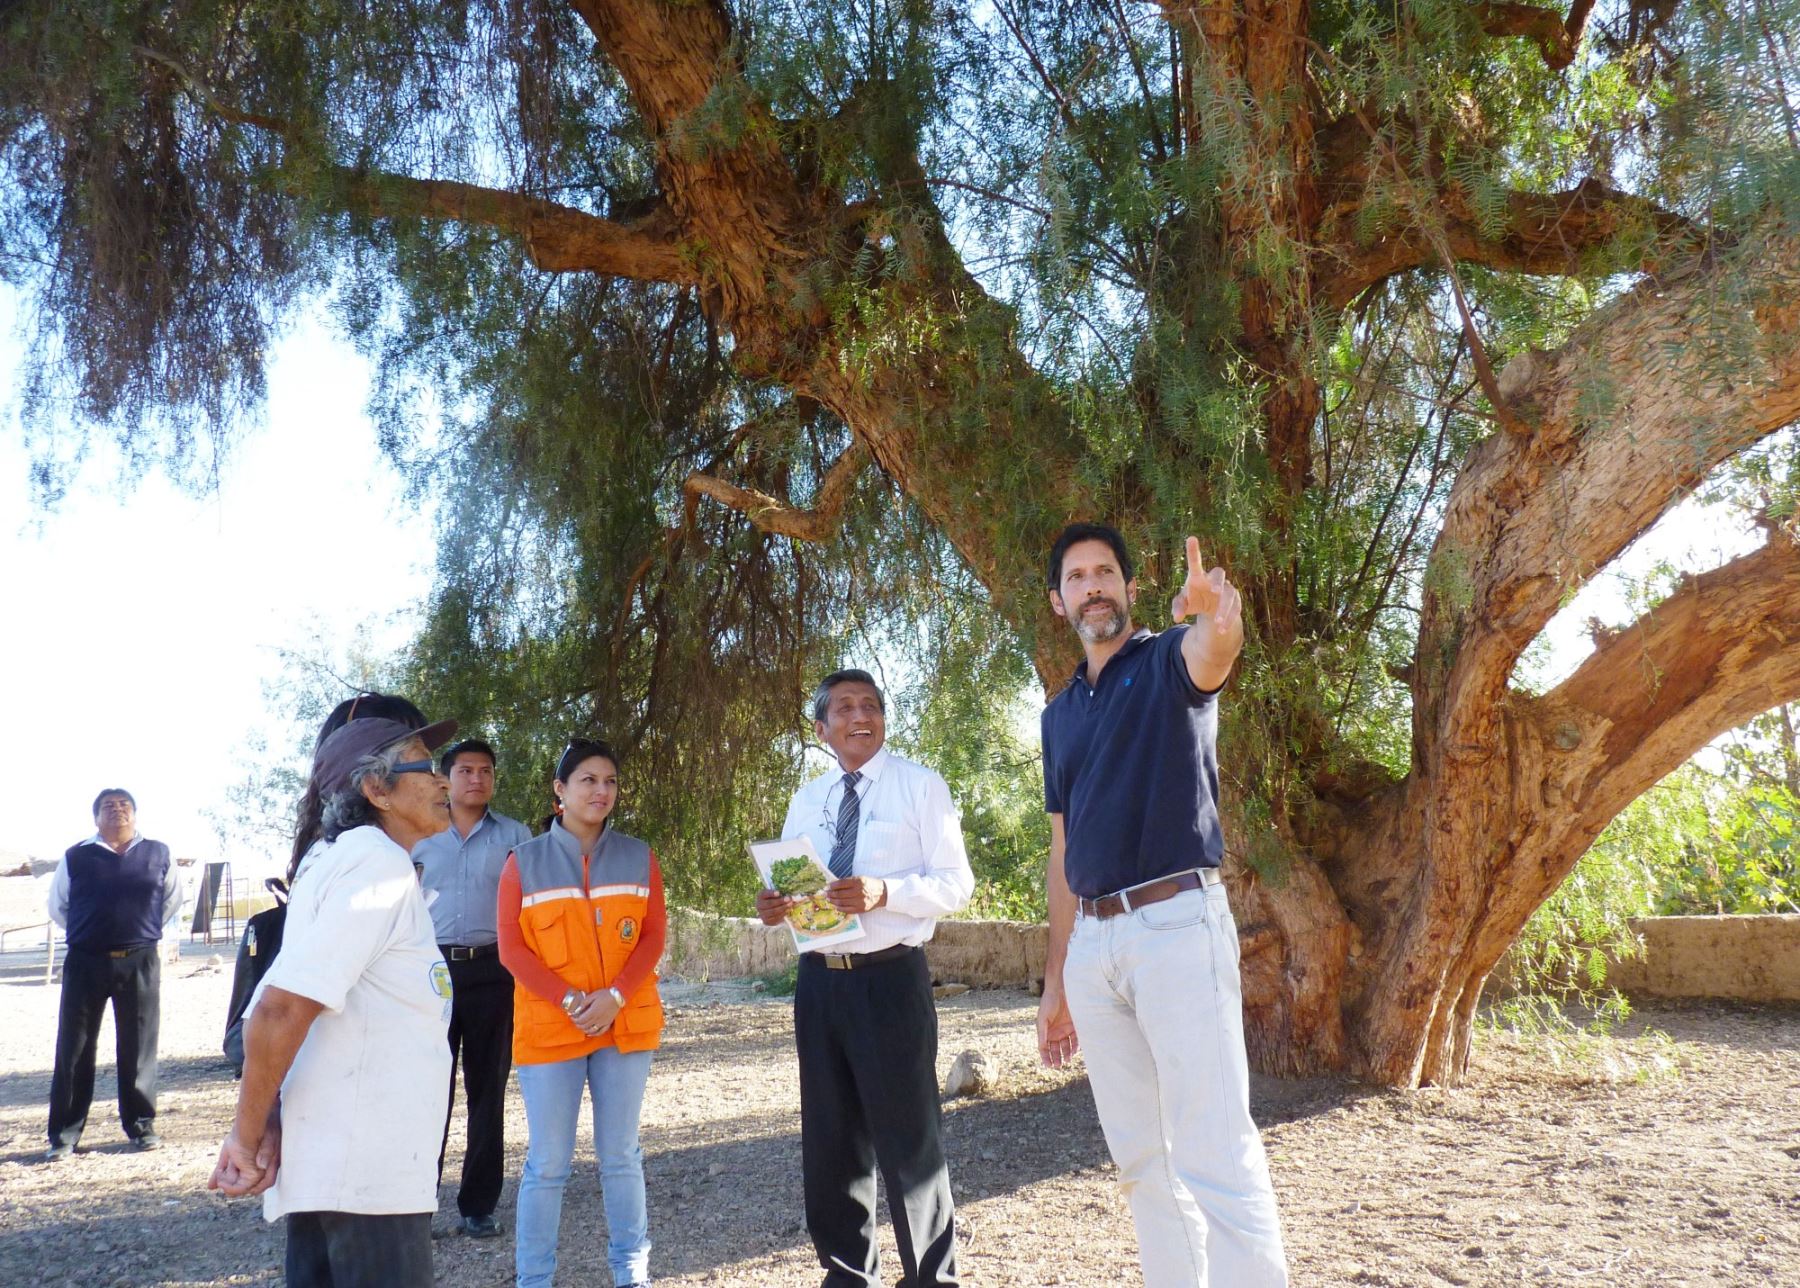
[1630,415]
[1557,37]
[558,238]
[774,515]
[1722,649]
[1549,233]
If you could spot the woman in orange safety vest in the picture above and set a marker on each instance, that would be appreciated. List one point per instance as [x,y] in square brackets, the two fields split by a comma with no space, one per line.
[581,926]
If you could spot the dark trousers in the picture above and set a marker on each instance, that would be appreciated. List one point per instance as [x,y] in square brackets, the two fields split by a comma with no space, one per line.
[481,1016]
[357,1250]
[869,1098]
[133,984]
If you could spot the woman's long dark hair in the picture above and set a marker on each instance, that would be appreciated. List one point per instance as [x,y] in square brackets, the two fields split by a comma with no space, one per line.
[364,706]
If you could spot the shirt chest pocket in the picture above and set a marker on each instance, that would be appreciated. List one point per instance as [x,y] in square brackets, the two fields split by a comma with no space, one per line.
[887,847]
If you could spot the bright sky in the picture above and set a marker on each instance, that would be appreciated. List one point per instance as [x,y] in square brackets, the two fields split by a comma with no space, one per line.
[142,621]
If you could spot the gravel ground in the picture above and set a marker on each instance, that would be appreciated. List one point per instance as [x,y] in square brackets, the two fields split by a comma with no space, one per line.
[1640,1161]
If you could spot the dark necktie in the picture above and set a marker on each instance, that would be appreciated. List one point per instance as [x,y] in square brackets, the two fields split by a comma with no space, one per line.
[843,854]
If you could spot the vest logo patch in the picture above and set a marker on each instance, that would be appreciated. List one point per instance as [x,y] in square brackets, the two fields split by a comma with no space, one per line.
[440,980]
[627,929]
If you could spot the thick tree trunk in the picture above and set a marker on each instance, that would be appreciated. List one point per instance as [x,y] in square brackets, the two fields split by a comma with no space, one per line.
[1439,873]
[1441,879]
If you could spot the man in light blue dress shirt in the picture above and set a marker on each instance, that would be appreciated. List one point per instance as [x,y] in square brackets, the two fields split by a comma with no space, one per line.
[460,870]
[865,1022]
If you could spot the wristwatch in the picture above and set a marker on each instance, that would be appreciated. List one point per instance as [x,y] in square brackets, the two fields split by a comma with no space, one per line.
[571,999]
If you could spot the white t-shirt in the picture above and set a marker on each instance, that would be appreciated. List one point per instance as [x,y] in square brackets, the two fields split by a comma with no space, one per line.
[362,1110]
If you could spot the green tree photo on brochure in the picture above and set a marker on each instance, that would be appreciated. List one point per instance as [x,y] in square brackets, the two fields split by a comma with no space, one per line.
[794,868]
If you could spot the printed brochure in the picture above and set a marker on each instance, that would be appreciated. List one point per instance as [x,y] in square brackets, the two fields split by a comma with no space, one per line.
[794,868]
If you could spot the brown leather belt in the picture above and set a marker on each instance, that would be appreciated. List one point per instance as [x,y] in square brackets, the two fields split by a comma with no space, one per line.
[1111,905]
[850,961]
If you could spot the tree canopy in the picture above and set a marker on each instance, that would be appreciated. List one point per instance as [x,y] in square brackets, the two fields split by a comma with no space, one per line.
[734,335]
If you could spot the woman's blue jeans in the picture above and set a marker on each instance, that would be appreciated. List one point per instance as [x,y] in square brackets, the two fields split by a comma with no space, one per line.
[552,1104]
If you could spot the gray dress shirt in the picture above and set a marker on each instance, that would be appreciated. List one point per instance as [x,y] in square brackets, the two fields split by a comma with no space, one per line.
[462,877]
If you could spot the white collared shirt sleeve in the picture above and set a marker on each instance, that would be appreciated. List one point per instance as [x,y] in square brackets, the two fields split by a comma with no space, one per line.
[59,894]
[944,881]
[172,900]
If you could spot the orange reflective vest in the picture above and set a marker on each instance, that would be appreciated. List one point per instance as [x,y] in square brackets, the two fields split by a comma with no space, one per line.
[581,914]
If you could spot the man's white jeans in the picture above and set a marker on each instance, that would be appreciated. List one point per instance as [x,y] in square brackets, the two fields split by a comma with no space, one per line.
[1157,1005]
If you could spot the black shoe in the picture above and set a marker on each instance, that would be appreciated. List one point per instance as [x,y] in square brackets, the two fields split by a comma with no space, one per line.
[480,1227]
[147,1142]
[56,1153]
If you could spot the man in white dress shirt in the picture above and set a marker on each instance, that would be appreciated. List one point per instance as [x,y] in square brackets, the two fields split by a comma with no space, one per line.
[865,1022]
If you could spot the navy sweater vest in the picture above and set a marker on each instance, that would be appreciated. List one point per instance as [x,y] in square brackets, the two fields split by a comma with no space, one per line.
[116,900]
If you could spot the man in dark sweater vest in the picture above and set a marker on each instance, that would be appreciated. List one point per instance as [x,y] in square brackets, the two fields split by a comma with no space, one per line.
[115,894]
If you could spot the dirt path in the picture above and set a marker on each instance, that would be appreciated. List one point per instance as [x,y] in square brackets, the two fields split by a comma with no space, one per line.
[1607,1171]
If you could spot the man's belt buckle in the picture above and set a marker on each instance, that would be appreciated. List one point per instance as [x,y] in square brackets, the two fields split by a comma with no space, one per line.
[1149,892]
[851,961]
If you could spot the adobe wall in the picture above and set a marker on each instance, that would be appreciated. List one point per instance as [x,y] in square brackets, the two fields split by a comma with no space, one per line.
[1746,959]
[981,954]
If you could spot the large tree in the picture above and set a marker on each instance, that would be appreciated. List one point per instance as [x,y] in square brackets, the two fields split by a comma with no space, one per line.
[738,327]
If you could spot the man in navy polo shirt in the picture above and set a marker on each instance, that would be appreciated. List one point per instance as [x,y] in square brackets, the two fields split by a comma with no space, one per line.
[1143,961]
[118,894]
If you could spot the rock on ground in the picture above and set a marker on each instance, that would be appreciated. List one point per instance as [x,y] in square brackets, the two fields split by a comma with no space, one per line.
[971,1074]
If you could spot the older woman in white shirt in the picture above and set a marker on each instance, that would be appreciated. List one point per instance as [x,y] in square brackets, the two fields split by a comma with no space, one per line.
[346,1066]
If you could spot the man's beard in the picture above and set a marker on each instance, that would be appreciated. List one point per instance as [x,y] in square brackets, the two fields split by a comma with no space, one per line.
[1101,630]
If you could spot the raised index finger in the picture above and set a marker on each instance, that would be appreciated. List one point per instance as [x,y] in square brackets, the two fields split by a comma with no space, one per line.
[1195,566]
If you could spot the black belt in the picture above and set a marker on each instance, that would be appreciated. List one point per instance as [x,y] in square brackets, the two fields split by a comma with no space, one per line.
[851,961]
[111,952]
[457,953]
[1111,905]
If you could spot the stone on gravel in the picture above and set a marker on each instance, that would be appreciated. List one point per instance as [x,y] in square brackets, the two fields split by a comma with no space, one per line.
[972,1074]
[949,990]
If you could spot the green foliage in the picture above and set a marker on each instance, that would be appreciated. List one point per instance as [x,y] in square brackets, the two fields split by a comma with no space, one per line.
[1559,960]
[781,983]
[797,875]
[1745,861]
[968,718]
[1739,851]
